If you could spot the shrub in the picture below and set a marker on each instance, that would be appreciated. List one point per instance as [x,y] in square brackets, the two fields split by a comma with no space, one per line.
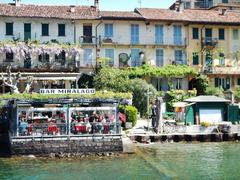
[237,94]
[214,91]
[131,114]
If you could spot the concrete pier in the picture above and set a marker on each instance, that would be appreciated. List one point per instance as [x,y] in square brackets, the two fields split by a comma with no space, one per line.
[214,137]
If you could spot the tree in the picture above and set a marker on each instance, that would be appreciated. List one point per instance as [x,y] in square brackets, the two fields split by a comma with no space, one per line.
[141,90]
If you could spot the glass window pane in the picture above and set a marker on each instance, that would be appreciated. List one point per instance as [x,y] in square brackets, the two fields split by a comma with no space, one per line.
[134,33]
[61,29]
[87,55]
[9,29]
[109,53]
[159,34]
[159,57]
[135,58]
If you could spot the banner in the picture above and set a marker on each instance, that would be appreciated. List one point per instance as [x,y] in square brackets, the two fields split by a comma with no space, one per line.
[67,91]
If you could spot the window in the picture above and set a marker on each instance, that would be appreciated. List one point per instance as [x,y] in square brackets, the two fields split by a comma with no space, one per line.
[87,55]
[235,34]
[9,57]
[9,29]
[208,33]
[178,57]
[45,29]
[159,34]
[177,34]
[159,57]
[108,30]
[221,34]
[187,5]
[44,58]
[109,53]
[135,57]
[224,1]
[61,29]
[225,83]
[238,81]
[195,58]
[195,33]
[177,83]
[134,33]
[61,58]
[221,59]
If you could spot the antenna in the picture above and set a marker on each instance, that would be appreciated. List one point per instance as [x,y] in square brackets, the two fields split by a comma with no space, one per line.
[140,3]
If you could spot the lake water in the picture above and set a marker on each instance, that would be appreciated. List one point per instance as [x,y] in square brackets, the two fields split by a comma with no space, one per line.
[151,162]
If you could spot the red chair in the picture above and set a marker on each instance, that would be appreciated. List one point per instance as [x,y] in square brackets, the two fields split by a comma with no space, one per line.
[29,129]
[52,129]
[106,129]
[81,129]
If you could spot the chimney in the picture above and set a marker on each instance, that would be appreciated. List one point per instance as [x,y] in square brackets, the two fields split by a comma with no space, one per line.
[17,2]
[222,11]
[96,4]
[177,5]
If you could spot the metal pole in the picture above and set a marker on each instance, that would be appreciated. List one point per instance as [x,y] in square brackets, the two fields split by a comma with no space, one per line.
[148,108]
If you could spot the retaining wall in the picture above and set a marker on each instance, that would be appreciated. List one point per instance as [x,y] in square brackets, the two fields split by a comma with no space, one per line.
[80,146]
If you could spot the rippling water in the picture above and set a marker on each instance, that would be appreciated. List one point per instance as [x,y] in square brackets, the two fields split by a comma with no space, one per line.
[151,162]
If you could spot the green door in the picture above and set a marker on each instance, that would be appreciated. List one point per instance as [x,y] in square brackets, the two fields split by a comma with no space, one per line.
[233,113]
[189,115]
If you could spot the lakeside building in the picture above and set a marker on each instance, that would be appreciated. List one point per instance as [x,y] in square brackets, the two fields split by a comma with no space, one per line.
[206,39]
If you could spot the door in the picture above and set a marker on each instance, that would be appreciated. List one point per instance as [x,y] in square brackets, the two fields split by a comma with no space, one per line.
[87,33]
[27,31]
[211,115]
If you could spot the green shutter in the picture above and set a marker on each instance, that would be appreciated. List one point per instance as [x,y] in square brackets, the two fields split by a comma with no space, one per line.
[189,115]
[233,113]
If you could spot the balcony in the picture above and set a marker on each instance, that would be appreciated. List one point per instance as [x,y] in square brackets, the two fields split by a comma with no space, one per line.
[88,40]
[178,62]
[209,41]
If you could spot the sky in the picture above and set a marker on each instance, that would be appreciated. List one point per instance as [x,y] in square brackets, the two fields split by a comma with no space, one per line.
[121,5]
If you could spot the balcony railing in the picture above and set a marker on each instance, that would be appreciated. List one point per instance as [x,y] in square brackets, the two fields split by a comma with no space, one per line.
[88,40]
[208,41]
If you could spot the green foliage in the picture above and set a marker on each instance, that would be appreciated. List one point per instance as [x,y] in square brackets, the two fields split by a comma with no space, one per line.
[173,96]
[36,96]
[112,79]
[140,90]
[202,84]
[131,114]
[214,91]
[237,94]
[168,71]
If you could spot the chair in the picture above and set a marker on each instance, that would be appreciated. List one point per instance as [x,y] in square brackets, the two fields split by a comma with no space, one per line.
[106,129]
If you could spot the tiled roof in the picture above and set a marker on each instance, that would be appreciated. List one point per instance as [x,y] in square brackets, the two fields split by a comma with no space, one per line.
[190,15]
[121,15]
[60,12]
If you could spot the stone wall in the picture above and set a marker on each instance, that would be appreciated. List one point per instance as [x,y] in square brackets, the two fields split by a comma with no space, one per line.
[83,146]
